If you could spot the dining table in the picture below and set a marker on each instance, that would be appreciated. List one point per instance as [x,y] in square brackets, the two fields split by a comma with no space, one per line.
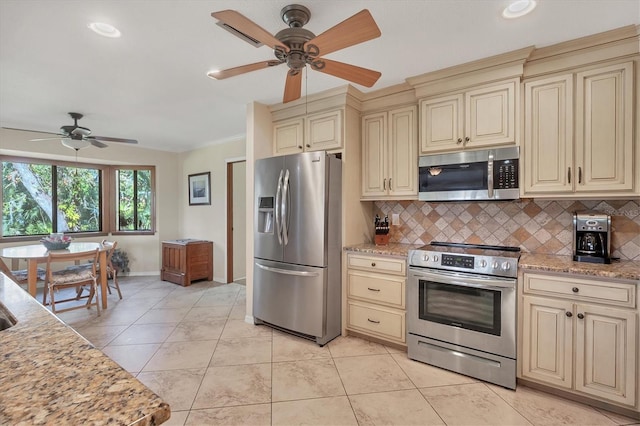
[38,253]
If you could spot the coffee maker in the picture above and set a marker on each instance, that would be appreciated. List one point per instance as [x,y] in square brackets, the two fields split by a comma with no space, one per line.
[591,237]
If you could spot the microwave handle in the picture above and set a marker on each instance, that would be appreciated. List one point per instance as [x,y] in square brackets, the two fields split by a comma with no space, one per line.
[490,174]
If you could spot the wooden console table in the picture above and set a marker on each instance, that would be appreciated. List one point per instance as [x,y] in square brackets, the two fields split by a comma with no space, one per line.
[184,261]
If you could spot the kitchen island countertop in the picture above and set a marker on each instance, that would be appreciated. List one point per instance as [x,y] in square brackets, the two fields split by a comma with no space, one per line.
[623,269]
[49,374]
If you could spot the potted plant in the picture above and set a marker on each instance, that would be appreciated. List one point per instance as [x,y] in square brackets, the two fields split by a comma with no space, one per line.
[120,260]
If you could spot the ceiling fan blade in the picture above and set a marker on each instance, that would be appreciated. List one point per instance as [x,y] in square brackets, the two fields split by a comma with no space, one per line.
[99,139]
[97,143]
[357,29]
[83,131]
[358,75]
[47,139]
[246,26]
[232,72]
[32,131]
[293,87]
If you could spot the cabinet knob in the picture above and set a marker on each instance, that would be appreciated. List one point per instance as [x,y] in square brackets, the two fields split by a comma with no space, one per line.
[581,316]
[308,146]
[575,289]
[568,314]
[373,263]
[300,146]
[467,139]
[459,140]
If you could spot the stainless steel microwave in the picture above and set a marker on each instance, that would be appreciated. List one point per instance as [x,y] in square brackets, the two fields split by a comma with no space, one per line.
[490,174]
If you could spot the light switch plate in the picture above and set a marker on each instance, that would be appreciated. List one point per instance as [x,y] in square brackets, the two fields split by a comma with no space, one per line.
[395,219]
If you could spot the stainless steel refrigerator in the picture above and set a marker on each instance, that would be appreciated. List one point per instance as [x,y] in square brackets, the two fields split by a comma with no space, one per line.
[297,246]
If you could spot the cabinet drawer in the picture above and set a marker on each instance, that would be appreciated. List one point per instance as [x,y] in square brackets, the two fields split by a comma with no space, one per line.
[375,320]
[386,265]
[609,293]
[376,288]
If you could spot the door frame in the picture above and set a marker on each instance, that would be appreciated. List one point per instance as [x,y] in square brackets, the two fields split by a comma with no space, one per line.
[230,162]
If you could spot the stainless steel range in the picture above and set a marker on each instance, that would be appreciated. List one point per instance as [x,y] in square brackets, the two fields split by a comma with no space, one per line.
[461,309]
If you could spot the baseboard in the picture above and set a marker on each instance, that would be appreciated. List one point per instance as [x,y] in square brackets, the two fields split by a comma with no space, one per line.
[140,274]
[248,319]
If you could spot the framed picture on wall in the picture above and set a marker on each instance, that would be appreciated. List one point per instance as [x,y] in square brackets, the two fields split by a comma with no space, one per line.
[200,189]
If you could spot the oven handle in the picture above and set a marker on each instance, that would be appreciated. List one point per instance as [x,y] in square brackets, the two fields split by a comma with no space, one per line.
[464,280]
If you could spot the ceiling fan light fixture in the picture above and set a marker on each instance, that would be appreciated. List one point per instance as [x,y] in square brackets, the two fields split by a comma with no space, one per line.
[105,30]
[75,144]
[518,8]
[213,74]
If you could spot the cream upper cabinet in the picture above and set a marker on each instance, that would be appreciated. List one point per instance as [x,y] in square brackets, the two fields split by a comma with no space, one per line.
[315,132]
[390,155]
[548,134]
[583,152]
[581,335]
[288,136]
[481,117]
[604,123]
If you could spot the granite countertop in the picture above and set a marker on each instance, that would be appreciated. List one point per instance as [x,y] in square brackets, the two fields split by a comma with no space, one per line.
[623,269]
[391,249]
[49,374]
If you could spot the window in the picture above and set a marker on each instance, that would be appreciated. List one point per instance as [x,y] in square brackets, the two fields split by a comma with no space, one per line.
[40,197]
[134,189]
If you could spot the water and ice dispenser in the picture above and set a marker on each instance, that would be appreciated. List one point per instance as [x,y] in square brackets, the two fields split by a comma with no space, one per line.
[265,215]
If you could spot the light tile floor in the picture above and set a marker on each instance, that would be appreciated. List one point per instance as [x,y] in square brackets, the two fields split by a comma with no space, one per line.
[192,347]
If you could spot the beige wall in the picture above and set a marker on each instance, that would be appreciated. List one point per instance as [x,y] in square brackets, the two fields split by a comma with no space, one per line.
[209,222]
[143,251]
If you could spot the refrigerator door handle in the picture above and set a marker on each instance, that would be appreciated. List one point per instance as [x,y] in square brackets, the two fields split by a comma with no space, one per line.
[277,209]
[287,272]
[285,208]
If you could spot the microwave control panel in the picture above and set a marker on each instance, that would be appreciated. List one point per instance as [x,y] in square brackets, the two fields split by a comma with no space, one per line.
[505,174]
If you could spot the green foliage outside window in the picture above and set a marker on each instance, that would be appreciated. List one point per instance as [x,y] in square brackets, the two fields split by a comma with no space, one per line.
[30,206]
[134,200]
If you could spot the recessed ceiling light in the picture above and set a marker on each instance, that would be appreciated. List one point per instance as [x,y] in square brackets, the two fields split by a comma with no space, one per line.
[105,30]
[518,8]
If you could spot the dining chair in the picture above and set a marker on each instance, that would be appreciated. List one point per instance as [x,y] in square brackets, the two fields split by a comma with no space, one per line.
[20,276]
[72,278]
[112,272]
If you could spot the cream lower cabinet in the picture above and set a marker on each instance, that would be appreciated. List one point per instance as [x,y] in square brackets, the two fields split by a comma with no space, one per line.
[480,117]
[390,155]
[586,150]
[581,335]
[315,132]
[376,296]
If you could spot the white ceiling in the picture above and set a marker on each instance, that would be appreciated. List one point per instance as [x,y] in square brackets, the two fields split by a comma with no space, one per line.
[151,83]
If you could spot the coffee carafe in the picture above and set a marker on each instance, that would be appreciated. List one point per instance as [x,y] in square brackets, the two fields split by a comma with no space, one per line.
[591,237]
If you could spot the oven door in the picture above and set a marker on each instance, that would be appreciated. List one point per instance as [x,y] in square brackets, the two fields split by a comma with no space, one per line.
[474,311]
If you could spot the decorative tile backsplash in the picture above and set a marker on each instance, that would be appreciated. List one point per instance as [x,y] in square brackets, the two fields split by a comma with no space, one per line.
[536,226]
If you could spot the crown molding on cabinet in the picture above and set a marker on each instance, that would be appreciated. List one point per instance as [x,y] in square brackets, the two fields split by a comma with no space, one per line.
[459,77]
[340,97]
[622,42]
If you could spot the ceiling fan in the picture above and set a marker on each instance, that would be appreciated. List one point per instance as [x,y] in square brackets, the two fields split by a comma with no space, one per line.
[78,137]
[298,47]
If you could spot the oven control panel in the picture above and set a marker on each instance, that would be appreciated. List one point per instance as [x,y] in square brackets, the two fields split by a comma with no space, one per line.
[488,265]
[458,261]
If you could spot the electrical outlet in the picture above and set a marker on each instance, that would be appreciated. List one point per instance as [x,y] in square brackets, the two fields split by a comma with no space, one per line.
[395,219]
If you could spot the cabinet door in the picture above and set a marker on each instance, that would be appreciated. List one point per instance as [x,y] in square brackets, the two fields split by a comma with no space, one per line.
[547,341]
[441,124]
[403,153]
[374,145]
[287,136]
[490,116]
[548,137]
[606,353]
[324,131]
[604,122]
